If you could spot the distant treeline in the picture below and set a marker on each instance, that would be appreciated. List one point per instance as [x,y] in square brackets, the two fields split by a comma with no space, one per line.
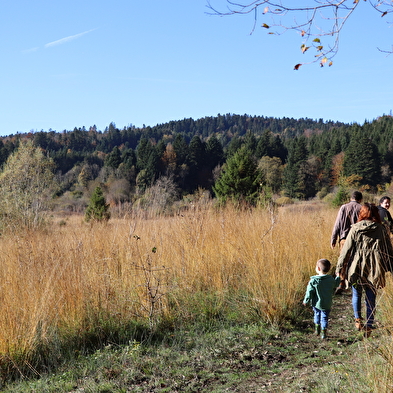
[306,156]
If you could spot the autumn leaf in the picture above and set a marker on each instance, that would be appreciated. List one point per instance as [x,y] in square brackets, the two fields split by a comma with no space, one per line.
[266,10]
[384,13]
[297,66]
[323,61]
[303,33]
[330,63]
[304,48]
[316,40]
[266,26]
[319,47]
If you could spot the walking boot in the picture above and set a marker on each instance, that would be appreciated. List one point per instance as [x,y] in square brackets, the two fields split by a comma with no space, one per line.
[367,331]
[323,334]
[317,329]
[359,324]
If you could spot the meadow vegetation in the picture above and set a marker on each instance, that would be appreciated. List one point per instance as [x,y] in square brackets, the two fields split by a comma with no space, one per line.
[73,288]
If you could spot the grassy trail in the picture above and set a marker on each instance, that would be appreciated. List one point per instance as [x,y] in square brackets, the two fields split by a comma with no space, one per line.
[314,365]
[238,359]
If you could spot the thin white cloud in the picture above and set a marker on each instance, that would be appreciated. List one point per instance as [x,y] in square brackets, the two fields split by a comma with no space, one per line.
[30,50]
[67,39]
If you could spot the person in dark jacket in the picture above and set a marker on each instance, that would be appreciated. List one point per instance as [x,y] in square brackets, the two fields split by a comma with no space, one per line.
[319,294]
[386,218]
[363,262]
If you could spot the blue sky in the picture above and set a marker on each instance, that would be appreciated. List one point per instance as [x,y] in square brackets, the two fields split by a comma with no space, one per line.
[69,64]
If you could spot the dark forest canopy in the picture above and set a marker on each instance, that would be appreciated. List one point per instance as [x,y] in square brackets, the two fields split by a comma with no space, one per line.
[293,157]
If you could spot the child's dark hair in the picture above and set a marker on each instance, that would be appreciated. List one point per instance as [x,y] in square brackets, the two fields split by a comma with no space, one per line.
[324,265]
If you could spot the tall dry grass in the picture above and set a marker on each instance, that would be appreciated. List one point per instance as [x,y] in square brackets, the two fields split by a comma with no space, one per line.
[379,367]
[69,281]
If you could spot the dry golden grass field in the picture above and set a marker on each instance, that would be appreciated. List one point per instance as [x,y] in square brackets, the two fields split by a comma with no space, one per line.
[66,281]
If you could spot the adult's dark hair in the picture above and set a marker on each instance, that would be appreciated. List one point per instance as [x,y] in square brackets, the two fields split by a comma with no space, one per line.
[384,198]
[357,196]
[369,212]
[324,265]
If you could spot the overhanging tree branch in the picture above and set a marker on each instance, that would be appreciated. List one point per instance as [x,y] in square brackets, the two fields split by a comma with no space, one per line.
[318,22]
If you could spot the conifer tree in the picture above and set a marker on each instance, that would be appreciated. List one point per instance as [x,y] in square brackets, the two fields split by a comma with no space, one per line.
[362,159]
[297,156]
[214,152]
[98,209]
[263,145]
[197,162]
[240,179]
[180,148]
[143,152]
[113,159]
[250,141]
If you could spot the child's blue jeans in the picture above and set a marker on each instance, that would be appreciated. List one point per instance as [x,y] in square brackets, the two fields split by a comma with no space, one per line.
[370,296]
[321,317]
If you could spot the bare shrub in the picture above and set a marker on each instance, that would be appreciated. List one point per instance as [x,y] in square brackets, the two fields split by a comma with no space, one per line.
[26,187]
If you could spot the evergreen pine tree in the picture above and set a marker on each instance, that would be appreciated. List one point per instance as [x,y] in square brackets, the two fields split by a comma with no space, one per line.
[250,141]
[180,148]
[113,159]
[98,209]
[197,163]
[214,152]
[143,152]
[297,156]
[362,159]
[240,179]
[263,144]
[277,148]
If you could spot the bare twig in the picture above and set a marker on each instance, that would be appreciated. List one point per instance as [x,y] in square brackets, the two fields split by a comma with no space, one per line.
[320,19]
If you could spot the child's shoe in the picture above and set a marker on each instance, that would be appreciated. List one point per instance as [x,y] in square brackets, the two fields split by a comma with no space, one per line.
[317,330]
[359,324]
[323,334]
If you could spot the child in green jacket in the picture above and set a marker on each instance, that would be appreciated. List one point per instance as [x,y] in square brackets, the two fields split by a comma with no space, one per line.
[319,295]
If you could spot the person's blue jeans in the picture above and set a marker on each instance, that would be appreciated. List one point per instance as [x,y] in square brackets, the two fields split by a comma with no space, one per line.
[321,317]
[370,296]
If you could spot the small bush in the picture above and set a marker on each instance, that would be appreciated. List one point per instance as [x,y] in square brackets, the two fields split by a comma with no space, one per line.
[284,201]
[340,198]
[329,198]
[322,193]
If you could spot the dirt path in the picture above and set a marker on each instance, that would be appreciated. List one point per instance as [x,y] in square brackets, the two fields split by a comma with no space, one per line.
[302,362]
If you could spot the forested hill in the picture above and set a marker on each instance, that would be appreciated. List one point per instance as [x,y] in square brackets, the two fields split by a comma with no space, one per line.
[296,156]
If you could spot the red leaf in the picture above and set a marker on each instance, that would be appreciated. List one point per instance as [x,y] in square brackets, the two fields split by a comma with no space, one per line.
[297,66]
